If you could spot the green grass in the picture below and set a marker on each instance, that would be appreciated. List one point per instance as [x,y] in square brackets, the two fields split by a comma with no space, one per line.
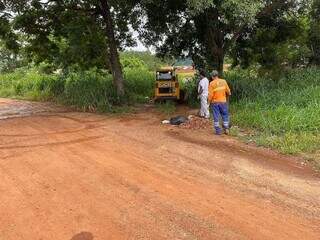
[282,113]
[86,90]
[28,85]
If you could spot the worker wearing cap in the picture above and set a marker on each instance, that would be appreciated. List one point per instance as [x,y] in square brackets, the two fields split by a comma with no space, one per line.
[203,95]
[219,91]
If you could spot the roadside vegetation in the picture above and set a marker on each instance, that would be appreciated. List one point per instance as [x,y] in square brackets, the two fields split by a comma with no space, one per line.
[282,113]
[88,90]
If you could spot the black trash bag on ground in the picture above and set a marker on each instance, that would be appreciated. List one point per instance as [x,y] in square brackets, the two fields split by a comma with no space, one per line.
[178,120]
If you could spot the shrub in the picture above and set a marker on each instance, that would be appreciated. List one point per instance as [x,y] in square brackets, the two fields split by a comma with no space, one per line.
[190,89]
[132,62]
[139,84]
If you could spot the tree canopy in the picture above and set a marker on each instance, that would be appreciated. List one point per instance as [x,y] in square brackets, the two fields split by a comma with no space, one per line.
[265,32]
[278,37]
[87,33]
[91,33]
[314,32]
[204,30]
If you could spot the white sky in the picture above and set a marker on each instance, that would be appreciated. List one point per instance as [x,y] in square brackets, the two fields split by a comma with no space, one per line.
[140,47]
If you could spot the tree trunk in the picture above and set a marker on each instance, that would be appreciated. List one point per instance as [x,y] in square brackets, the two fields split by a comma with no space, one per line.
[215,53]
[220,61]
[214,41]
[113,48]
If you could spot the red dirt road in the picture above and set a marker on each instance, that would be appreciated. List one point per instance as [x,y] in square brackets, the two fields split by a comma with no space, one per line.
[77,176]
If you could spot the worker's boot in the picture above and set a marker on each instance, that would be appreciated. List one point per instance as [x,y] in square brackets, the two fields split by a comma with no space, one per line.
[217,128]
[226,131]
[218,131]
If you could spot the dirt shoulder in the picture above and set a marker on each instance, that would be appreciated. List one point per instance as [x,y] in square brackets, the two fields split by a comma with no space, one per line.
[67,175]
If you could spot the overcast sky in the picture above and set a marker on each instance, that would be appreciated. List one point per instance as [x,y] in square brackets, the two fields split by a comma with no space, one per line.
[140,47]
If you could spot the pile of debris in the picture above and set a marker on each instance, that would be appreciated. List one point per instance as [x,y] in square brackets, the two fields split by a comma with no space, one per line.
[191,122]
[196,123]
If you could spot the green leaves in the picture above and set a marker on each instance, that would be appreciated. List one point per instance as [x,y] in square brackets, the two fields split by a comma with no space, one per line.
[67,32]
[202,29]
[277,38]
[199,6]
[241,12]
[7,35]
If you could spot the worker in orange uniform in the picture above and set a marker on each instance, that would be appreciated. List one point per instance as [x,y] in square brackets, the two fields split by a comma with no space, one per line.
[219,91]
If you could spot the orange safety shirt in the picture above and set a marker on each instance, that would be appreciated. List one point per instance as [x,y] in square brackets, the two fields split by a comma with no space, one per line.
[218,91]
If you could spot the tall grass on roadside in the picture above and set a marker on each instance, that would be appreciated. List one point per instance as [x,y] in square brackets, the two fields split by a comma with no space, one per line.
[29,85]
[284,113]
[91,90]
[139,85]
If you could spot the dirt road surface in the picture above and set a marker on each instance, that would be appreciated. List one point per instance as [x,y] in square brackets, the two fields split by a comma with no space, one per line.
[78,176]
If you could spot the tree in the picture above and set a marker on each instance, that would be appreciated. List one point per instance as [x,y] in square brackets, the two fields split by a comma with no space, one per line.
[151,61]
[279,37]
[314,32]
[6,34]
[76,31]
[9,60]
[202,29]
[113,50]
